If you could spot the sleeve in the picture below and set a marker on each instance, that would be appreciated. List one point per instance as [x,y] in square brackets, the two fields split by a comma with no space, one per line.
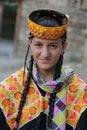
[10,95]
[7,104]
[76,100]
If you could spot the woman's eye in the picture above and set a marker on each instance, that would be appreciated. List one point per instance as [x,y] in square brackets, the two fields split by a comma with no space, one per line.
[38,45]
[54,46]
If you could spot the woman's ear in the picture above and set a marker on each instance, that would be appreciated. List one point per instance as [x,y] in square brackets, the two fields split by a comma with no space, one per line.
[64,47]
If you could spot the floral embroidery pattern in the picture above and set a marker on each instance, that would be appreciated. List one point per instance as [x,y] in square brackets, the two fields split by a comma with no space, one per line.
[76,100]
[10,95]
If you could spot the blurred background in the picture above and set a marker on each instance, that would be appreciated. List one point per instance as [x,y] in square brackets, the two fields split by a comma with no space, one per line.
[14,33]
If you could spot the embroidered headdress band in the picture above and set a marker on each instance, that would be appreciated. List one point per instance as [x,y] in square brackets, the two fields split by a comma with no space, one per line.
[45,32]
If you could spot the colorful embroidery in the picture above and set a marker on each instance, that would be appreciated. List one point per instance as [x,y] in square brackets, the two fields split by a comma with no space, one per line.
[76,100]
[6,102]
[17,95]
[10,95]
[33,110]
[58,86]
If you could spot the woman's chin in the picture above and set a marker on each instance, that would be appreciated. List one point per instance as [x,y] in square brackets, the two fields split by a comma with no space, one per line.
[46,68]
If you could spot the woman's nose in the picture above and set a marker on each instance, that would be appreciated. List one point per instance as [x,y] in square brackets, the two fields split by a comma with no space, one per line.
[45,52]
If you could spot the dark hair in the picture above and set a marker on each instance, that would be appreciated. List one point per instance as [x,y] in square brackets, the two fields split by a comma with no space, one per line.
[38,16]
[52,21]
[24,94]
[53,95]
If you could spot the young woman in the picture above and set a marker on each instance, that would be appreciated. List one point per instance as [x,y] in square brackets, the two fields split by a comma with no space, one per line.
[46,95]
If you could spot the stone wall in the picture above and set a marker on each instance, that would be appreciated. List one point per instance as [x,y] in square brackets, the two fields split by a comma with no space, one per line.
[76,53]
[76,31]
[82,4]
[27,7]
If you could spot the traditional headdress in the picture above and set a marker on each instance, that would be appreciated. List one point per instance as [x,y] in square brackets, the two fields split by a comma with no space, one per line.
[47,32]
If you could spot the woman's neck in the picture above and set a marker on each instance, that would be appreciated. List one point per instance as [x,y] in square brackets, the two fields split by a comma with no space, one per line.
[47,74]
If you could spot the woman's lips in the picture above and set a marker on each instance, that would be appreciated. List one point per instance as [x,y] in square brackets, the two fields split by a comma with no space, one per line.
[45,60]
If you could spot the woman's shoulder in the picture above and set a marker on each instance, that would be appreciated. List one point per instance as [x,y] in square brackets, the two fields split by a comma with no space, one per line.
[76,79]
[10,91]
[12,84]
[17,76]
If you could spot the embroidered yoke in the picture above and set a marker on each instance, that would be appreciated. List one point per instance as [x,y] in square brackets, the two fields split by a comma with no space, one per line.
[74,92]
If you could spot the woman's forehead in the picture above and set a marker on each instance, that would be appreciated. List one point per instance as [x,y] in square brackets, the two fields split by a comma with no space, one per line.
[46,40]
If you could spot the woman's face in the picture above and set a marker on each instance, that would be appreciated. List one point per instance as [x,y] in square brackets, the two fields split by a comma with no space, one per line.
[46,53]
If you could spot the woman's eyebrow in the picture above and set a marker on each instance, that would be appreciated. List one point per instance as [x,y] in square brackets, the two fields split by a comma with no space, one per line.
[47,43]
[53,43]
[37,41]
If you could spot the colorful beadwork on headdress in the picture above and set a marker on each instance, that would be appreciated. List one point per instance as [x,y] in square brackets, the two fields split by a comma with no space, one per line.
[47,32]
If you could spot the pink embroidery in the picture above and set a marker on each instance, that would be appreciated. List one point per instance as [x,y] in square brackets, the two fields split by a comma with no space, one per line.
[30,117]
[12,88]
[37,92]
[39,102]
[9,114]
[71,97]
[80,81]
[85,99]
[13,104]
[15,79]
[2,95]
[3,86]
[73,115]
[76,101]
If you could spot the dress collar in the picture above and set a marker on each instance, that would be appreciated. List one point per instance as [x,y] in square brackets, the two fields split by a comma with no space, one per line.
[53,86]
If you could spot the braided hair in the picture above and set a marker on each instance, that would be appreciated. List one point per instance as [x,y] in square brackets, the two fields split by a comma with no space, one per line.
[24,94]
[49,21]
[53,95]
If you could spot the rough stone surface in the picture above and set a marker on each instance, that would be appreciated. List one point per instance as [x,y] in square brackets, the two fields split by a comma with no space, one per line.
[75,55]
